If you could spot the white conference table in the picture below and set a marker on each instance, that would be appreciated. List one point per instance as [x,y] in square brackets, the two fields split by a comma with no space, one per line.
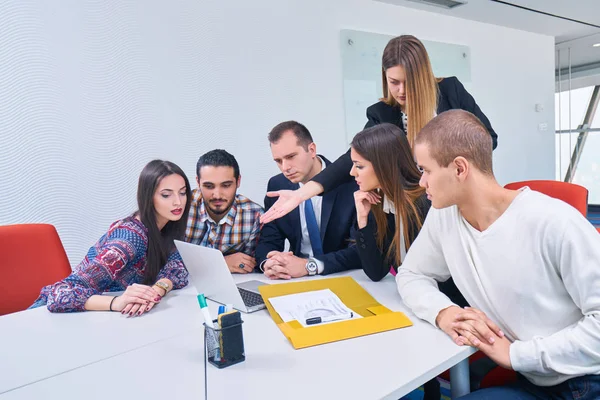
[99,355]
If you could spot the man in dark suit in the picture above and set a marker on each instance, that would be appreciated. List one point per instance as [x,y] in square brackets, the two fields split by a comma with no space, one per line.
[319,229]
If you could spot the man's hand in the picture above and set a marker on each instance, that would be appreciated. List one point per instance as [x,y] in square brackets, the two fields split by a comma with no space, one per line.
[274,267]
[274,270]
[476,327]
[499,352]
[445,320]
[240,263]
[295,266]
[281,265]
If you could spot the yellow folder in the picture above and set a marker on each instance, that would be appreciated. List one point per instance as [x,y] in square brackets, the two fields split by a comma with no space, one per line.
[377,318]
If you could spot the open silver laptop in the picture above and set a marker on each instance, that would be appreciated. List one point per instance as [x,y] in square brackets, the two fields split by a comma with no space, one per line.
[210,275]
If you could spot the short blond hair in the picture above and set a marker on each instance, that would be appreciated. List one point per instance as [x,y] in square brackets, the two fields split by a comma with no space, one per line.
[457,133]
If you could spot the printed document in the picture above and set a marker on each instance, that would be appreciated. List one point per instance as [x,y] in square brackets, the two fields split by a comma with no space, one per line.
[318,303]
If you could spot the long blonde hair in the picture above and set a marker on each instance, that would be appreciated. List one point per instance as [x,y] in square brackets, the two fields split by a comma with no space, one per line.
[421,85]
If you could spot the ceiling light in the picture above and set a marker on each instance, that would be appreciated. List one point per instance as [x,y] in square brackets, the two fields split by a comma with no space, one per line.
[449,4]
[596,45]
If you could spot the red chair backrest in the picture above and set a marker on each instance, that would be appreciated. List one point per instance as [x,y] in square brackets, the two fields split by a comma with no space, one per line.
[575,195]
[31,257]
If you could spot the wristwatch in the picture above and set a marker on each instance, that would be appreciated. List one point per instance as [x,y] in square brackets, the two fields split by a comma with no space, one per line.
[163,286]
[311,266]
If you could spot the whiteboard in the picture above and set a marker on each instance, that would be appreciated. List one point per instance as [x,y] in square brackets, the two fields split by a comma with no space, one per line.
[361,71]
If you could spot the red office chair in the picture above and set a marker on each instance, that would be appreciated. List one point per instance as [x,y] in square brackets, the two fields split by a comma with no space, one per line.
[575,195]
[31,257]
[485,373]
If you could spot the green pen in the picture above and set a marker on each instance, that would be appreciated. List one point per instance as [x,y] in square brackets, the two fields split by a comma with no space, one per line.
[209,322]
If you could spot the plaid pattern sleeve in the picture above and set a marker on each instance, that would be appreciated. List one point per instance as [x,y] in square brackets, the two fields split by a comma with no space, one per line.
[195,229]
[250,244]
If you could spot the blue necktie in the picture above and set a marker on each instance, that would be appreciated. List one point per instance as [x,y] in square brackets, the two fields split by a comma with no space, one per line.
[313,228]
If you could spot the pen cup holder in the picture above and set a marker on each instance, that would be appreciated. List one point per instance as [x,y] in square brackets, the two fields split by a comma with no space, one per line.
[224,346]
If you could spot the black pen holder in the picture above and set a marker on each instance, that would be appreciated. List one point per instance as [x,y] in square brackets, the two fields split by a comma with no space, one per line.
[224,346]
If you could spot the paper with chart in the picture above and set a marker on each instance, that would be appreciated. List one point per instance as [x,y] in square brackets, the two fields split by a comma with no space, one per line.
[318,303]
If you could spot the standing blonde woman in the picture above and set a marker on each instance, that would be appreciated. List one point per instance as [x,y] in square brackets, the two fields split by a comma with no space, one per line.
[412,96]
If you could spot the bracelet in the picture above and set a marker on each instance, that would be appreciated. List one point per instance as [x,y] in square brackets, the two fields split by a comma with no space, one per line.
[260,266]
[158,294]
[113,299]
[163,286]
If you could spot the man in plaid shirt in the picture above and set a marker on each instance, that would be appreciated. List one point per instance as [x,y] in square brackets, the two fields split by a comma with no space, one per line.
[219,217]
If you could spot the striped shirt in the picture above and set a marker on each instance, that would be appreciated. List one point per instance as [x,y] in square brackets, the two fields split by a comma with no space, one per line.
[236,232]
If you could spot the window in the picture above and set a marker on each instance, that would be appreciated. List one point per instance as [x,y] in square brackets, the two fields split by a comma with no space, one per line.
[587,162]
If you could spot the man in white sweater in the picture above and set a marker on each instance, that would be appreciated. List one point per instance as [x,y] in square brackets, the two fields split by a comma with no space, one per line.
[528,264]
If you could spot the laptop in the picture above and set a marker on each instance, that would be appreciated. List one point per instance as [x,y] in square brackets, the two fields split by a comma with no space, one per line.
[210,275]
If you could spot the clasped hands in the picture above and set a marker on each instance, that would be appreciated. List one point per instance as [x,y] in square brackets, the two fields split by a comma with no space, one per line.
[284,265]
[472,327]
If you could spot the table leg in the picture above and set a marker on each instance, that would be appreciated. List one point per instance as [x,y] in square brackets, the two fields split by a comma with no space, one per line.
[459,379]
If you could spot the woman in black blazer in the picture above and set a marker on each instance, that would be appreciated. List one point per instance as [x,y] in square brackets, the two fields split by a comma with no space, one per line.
[412,96]
[383,167]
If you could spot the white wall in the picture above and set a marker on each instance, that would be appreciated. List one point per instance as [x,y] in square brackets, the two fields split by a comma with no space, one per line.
[92,90]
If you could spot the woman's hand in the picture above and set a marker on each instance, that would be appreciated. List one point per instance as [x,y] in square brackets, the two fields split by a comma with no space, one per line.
[363,202]
[136,300]
[134,311]
[288,200]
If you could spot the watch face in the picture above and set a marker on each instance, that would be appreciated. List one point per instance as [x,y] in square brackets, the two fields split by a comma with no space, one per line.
[311,266]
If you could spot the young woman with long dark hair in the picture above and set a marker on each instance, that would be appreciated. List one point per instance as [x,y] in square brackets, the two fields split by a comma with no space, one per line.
[137,255]
[383,163]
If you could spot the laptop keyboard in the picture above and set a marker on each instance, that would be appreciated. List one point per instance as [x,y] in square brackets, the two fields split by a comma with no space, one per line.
[251,299]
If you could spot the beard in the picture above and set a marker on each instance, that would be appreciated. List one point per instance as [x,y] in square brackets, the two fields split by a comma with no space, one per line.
[222,208]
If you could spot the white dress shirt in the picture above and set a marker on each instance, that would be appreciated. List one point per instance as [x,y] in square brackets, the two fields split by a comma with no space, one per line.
[388,208]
